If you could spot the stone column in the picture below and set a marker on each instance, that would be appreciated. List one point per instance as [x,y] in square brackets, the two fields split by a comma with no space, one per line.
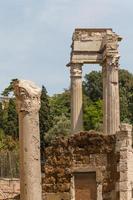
[105,100]
[28,105]
[111,98]
[76,98]
[111,84]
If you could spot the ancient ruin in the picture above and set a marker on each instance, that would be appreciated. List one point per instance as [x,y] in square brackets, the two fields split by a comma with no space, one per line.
[91,165]
[96,46]
[28,105]
[86,165]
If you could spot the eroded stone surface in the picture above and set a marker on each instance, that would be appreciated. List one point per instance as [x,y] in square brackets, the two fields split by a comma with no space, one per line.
[83,152]
[109,156]
[28,104]
[9,188]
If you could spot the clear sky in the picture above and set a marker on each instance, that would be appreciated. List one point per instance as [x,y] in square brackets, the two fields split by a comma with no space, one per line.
[35,37]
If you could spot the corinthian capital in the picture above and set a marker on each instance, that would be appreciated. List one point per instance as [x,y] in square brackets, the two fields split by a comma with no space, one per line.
[76,70]
[113,60]
[27,96]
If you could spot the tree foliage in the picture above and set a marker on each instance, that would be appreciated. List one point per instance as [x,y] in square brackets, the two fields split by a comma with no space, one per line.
[93,86]
[60,128]
[93,90]
[126,96]
[9,88]
[44,113]
[60,104]
[93,115]
[11,126]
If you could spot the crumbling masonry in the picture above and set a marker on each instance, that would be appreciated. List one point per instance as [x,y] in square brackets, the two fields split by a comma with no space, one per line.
[90,165]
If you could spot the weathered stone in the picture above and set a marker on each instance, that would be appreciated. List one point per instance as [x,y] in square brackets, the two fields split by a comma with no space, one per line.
[9,188]
[96,46]
[57,196]
[83,152]
[28,105]
[76,98]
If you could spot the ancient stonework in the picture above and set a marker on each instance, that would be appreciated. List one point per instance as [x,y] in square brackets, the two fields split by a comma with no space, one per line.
[110,157]
[86,165]
[96,46]
[28,96]
[9,189]
[76,98]
[28,104]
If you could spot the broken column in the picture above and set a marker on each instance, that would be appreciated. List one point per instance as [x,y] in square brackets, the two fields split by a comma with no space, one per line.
[76,98]
[28,105]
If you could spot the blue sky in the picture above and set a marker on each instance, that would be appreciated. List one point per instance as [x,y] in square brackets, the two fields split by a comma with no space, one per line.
[35,37]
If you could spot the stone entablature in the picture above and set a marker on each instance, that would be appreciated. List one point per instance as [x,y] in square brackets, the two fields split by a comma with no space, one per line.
[94,45]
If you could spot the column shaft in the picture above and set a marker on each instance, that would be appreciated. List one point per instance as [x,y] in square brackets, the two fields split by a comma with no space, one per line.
[105,101]
[28,104]
[76,98]
[111,99]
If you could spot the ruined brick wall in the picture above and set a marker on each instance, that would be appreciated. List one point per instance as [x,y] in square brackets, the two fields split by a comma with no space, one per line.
[9,189]
[83,152]
[110,157]
[57,170]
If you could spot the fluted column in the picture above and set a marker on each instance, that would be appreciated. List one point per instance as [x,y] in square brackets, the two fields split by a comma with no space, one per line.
[105,100]
[110,66]
[28,105]
[76,98]
[111,97]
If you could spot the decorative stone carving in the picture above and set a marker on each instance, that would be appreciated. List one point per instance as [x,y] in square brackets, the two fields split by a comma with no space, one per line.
[76,70]
[28,96]
[85,35]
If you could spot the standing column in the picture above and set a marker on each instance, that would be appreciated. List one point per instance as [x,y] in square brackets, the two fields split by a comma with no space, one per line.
[76,98]
[28,105]
[111,97]
[111,83]
[105,101]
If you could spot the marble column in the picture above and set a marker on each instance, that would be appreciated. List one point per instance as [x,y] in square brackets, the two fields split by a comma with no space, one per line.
[28,105]
[76,98]
[111,97]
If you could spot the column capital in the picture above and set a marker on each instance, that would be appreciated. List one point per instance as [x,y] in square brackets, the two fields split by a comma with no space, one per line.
[113,60]
[76,70]
[27,95]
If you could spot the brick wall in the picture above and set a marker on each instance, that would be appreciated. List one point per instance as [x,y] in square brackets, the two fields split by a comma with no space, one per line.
[83,152]
[9,188]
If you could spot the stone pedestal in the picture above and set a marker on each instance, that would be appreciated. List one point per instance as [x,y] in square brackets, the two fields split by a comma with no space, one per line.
[76,98]
[28,104]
